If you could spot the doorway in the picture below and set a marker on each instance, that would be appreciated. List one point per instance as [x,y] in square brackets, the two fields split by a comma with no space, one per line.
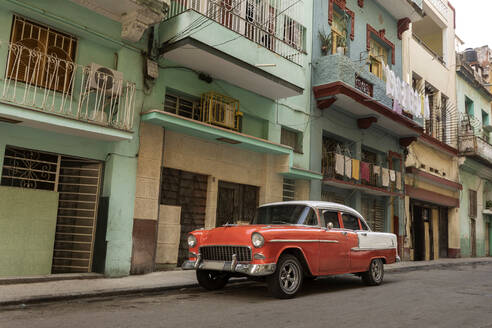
[236,203]
[443,232]
[473,237]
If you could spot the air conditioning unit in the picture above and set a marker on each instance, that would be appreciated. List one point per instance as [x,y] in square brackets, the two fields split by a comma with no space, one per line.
[104,79]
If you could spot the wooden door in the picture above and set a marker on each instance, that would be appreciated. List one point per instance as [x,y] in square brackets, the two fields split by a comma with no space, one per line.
[236,203]
[443,232]
[473,237]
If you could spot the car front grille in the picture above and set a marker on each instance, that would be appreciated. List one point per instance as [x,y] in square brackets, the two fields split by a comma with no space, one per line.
[224,253]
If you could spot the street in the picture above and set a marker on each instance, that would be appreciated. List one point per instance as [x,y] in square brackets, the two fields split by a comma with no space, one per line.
[459,296]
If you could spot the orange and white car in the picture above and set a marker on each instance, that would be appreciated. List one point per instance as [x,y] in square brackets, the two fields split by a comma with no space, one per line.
[288,242]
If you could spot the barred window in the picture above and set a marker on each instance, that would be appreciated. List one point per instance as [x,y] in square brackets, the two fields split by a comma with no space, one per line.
[289,189]
[291,138]
[40,55]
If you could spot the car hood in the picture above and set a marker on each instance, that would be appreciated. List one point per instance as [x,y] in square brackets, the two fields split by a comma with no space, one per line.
[241,234]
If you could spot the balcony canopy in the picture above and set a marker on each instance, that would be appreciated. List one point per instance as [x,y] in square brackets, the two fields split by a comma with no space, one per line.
[403,8]
[204,58]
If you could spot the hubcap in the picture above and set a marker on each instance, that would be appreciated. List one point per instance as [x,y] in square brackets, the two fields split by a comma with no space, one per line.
[376,270]
[289,277]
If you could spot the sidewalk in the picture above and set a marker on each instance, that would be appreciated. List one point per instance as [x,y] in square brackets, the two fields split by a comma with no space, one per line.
[58,290]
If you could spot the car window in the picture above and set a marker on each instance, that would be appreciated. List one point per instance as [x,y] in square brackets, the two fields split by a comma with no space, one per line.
[311,218]
[350,222]
[332,217]
[283,214]
[363,224]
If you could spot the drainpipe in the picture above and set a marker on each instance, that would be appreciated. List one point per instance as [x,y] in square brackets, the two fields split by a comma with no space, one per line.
[72,24]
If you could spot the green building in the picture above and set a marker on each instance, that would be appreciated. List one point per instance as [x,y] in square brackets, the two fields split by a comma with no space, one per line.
[475,161]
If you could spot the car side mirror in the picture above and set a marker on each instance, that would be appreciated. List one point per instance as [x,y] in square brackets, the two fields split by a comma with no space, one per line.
[329,226]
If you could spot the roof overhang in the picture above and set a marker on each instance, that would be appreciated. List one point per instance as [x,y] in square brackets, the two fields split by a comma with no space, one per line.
[402,8]
[360,105]
[204,58]
[213,133]
[370,190]
[12,114]
[431,197]
[302,174]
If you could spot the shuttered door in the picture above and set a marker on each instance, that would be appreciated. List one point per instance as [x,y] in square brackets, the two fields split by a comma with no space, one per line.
[332,197]
[78,187]
[373,210]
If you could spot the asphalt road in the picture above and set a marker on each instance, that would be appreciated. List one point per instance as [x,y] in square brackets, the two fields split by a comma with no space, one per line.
[447,297]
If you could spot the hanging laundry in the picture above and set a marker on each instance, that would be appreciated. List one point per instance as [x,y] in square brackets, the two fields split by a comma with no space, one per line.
[355,169]
[396,107]
[392,175]
[339,164]
[348,167]
[365,171]
[398,180]
[422,106]
[416,104]
[389,85]
[385,177]
[426,108]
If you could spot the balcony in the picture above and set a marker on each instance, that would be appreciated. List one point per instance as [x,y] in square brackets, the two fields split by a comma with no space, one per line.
[257,46]
[476,147]
[371,178]
[352,89]
[46,90]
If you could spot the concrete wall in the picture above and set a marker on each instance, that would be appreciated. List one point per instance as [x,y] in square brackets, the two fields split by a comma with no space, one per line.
[27,231]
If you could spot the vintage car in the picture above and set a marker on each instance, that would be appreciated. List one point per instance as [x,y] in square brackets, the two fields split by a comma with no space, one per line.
[288,242]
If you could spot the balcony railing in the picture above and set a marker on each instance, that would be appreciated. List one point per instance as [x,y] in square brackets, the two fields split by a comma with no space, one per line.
[473,140]
[340,167]
[52,85]
[442,124]
[273,24]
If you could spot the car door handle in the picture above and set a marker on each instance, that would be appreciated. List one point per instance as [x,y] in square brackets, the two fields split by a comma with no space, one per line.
[364,234]
[344,233]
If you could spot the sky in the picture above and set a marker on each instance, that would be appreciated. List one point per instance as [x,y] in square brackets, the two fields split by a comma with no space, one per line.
[472,18]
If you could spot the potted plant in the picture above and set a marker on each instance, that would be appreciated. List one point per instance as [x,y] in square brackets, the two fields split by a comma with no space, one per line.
[325,42]
[488,204]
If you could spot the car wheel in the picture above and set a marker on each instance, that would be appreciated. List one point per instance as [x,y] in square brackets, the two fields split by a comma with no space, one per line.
[212,280]
[287,279]
[374,276]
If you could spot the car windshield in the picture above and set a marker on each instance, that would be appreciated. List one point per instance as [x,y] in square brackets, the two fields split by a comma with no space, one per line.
[284,214]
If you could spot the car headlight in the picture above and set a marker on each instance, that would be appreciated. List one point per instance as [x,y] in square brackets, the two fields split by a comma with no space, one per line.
[191,240]
[257,239]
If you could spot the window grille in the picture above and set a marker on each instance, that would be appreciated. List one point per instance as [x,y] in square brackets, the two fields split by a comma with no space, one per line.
[51,48]
[289,189]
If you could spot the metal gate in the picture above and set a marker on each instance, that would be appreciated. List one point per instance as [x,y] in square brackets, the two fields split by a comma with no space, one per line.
[78,183]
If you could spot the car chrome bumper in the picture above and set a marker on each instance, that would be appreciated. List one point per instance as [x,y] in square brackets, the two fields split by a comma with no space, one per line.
[398,259]
[231,266]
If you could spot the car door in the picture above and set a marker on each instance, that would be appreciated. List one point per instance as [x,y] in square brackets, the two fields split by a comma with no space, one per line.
[352,226]
[334,254]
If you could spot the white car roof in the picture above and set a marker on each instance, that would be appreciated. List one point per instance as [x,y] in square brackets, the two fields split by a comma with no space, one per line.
[320,204]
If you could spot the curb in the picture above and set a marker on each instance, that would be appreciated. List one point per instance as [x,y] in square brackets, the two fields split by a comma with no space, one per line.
[434,266]
[98,293]
[157,289]
[47,278]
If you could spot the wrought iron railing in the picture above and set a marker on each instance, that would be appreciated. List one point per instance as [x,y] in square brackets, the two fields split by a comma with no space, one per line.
[276,24]
[44,82]
[366,174]
[473,139]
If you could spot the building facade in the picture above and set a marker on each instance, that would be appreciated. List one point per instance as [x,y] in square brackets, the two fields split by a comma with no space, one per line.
[475,170]
[432,188]
[226,125]
[69,113]
[357,138]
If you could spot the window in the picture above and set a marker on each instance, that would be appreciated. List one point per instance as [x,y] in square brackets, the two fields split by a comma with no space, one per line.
[472,210]
[485,118]
[350,222]
[338,32]
[289,189]
[182,106]
[40,55]
[293,33]
[469,107]
[332,217]
[283,214]
[311,219]
[291,138]
[363,225]
[378,55]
